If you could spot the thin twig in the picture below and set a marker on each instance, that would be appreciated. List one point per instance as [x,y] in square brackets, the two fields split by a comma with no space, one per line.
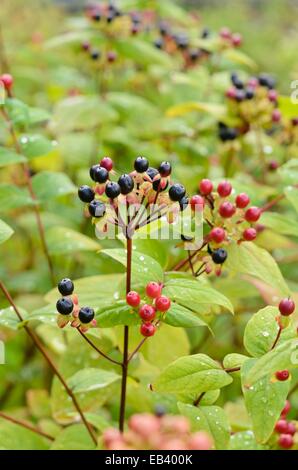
[233,369]
[198,400]
[130,357]
[190,263]
[101,353]
[277,337]
[40,347]
[26,425]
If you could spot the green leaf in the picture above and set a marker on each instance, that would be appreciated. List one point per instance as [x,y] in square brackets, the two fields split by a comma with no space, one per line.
[18,112]
[9,157]
[261,331]
[182,317]
[239,58]
[248,258]
[141,52]
[264,401]
[36,145]
[117,314]
[234,360]
[287,107]
[9,319]
[38,116]
[144,268]
[80,113]
[292,195]
[90,379]
[74,437]
[63,240]
[283,224]
[49,185]
[245,440]
[12,197]
[15,437]
[5,231]
[197,373]
[211,419]
[283,356]
[218,111]
[195,295]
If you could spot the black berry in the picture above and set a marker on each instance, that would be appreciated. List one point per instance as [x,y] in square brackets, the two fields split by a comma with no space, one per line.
[219,256]
[152,172]
[126,184]
[176,192]
[86,314]
[141,164]
[249,94]
[99,173]
[194,54]
[112,189]
[86,194]
[205,33]
[156,186]
[266,81]
[237,82]
[181,42]
[66,286]
[159,43]
[165,169]
[95,54]
[183,203]
[97,208]
[64,306]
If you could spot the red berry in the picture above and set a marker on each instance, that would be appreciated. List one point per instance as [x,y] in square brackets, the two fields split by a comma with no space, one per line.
[205,187]
[249,234]
[107,163]
[273,165]
[272,95]
[147,312]
[111,56]
[286,408]
[217,234]
[253,82]
[225,33]
[227,209]
[281,426]
[162,303]
[236,40]
[242,200]
[291,429]
[295,121]
[224,188]
[7,80]
[253,214]
[133,299]
[147,329]
[282,375]
[197,203]
[286,307]
[153,289]
[286,441]
[276,115]
[231,93]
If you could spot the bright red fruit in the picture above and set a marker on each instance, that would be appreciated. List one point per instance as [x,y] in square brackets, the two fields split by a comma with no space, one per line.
[147,312]
[272,95]
[282,375]
[281,426]
[236,40]
[217,234]
[133,299]
[205,187]
[231,93]
[147,329]
[225,33]
[7,80]
[197,203]
[276,115]
[291,429]
[249,234]
[286,409]
[224,188]
[107,163]
[253,214]
[242,200]
[286,441]
[286,307]
[162,303]
[153,290]
[227,209]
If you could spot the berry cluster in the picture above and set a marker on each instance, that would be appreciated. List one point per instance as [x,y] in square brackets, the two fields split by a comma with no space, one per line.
[69,310]
[152,309]
[139,191]
[229,218]
[147,431]
[229,38]
[286,429]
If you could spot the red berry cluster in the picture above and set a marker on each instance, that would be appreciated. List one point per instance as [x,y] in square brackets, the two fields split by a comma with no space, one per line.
[229,38]
[69,309]
[286,429]
[147,431]
[150,310]
[286,308]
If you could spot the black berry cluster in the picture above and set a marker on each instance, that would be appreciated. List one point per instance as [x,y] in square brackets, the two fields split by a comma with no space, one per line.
[69,310]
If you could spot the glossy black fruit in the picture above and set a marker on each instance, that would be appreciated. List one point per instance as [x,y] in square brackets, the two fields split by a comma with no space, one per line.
[97,208]
[95,54]
[266,81]
[219,256]
[126,184]
[165,169]
[64,306]
[152,172]
[99,173]
[159,43]
[141,164]
[112,189]
[86,314]
[237,82]
[86,194]
[66,286]
[176,192]
[183,203]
